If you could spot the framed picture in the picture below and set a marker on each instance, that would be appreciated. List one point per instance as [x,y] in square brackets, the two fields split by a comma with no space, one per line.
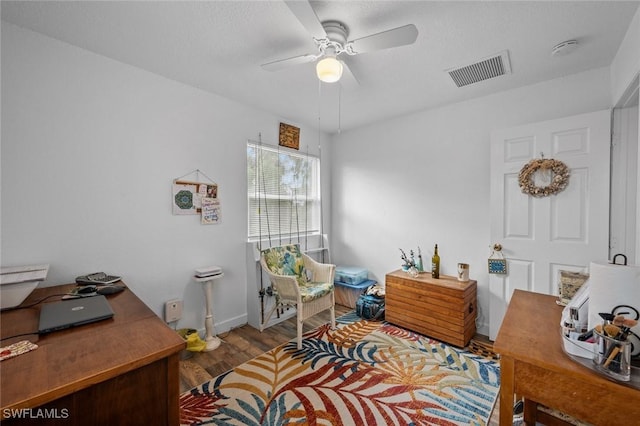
[497,266]
[289,136]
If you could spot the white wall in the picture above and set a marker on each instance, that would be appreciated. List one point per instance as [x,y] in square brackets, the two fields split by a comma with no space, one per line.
[90,147]
[626,64]
[424,179]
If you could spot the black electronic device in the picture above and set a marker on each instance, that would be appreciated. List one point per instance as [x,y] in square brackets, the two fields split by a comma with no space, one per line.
[90,290]
[110,289]
[70,313]
[97,278]
[87,289]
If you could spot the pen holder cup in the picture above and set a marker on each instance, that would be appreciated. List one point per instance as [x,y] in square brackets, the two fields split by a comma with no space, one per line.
[612,357]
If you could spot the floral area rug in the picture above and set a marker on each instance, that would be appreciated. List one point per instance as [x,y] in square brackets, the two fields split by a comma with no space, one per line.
[362,373]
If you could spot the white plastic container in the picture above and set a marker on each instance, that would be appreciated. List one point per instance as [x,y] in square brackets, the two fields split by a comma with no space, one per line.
[577,347]
[580,306]
[17,282]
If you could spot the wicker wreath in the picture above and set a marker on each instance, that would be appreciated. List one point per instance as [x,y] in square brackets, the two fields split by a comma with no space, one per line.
[559,181]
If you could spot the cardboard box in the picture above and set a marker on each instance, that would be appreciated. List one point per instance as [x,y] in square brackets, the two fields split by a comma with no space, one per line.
[347,294]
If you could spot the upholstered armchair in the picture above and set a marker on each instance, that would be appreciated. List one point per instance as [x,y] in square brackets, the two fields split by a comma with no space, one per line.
[299,281]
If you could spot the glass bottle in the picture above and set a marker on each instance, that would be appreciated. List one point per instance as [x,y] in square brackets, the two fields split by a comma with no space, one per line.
[435,264]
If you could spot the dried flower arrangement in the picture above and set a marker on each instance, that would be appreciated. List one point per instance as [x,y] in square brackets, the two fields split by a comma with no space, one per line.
[559,180]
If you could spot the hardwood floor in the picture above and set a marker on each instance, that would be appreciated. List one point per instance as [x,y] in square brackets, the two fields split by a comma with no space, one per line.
[245,343]
[241,345]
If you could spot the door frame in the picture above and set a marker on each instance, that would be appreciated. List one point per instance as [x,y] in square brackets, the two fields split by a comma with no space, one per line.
[624,223]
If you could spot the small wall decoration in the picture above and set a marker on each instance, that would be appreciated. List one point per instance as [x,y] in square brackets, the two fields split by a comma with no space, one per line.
[211,213]
[196,196]
[289,136]
[183,199]
[497,265]
[187,196]
[558,177]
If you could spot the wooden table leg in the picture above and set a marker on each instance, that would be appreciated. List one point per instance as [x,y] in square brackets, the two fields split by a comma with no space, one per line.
[530,412]
[506,391]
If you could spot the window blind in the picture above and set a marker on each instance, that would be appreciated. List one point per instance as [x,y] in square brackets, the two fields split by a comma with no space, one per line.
[283,192]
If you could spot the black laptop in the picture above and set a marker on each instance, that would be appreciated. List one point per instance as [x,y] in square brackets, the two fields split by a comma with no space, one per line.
[71,313]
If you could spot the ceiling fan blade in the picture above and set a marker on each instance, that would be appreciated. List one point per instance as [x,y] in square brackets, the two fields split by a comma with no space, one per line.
[307,17]
[284,63]
[391,38]
[348,80]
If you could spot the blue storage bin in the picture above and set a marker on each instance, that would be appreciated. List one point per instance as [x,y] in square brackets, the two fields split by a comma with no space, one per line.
[350,275]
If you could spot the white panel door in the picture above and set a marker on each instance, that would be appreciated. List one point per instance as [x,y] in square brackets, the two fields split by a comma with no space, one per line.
[566,231]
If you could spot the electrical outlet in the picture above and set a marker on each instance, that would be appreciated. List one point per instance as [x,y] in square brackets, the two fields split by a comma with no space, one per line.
[173,310]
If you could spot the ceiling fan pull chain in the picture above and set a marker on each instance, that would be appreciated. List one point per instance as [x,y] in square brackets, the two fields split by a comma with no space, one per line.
[339,109]
[319,102]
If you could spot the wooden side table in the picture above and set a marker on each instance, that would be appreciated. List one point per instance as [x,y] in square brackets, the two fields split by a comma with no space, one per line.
[443,308]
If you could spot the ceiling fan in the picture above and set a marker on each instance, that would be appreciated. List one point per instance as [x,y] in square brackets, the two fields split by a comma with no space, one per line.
[331,38]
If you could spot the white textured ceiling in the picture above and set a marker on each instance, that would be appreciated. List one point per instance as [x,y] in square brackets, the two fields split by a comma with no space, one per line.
[218,46]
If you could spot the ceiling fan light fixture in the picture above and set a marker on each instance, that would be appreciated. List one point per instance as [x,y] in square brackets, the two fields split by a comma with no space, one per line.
[329,69]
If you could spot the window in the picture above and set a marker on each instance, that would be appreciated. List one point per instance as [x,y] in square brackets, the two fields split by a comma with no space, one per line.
[283,192]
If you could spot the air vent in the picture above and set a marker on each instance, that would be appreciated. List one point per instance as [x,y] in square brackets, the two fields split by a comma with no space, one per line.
[493,66]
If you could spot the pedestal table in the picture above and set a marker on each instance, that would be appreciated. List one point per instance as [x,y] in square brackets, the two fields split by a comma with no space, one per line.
[210,339]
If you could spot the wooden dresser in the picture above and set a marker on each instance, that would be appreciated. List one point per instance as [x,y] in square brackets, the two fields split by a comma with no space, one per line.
[119,371]
[442,308]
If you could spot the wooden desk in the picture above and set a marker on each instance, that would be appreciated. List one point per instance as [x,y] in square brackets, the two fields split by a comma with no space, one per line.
[534,365]
[120,371]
